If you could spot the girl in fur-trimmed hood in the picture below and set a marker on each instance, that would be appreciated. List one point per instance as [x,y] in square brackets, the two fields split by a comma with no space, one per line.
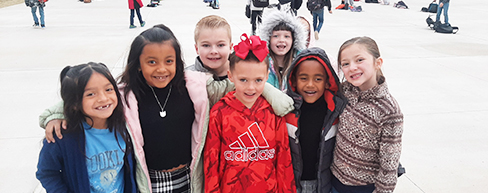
[286,37]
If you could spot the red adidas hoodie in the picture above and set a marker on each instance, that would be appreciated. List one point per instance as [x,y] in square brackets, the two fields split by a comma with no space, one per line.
[246,149]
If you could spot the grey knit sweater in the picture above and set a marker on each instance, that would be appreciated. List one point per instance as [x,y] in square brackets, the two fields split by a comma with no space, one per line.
[369,140]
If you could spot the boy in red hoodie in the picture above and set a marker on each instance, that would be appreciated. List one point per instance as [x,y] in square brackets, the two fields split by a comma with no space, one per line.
[247,146]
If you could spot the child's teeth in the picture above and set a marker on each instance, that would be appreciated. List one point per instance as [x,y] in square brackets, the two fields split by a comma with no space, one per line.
[103,107]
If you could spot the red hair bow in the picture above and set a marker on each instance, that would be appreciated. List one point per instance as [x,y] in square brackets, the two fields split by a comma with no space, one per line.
[254,44]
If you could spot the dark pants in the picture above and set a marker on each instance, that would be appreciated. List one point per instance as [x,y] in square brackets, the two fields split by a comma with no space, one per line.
[136,7]
[255,18]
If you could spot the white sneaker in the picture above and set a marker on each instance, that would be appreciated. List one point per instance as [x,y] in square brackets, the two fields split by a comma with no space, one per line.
[316,35]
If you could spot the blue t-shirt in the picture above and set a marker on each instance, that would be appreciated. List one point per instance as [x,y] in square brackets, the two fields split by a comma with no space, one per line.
[105,160]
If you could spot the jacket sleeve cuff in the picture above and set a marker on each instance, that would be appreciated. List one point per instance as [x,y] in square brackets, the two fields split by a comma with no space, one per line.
[52,113]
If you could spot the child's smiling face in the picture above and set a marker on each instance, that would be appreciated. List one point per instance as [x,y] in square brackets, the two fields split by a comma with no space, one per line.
[214,47]
[99,100]
[249,78]
[360,67]
[158,64]
[310,80]
[281,42]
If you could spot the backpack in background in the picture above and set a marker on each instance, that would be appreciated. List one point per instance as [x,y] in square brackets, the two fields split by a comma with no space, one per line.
[430,22]
[314,5]
[357,9]
[445,28]
[260,3]
[400,170]
[341,6]
[154,3]
[215,4]
[400,5]
[441,27]
[432,8]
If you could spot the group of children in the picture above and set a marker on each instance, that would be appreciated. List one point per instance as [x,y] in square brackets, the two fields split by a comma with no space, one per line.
[218,125]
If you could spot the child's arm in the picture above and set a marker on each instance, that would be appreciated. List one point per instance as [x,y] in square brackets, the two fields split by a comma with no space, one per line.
[329,6]
[284,167]
[52,119]
[49,169]
[216,89]
[211,155]
[390,150]
[281,103]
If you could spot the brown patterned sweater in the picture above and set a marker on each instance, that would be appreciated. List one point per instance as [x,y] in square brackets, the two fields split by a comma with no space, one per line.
[369,139]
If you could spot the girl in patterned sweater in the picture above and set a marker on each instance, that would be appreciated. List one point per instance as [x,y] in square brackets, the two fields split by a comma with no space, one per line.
[370,128]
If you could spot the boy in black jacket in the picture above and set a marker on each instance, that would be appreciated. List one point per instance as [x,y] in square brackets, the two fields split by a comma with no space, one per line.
[314,86]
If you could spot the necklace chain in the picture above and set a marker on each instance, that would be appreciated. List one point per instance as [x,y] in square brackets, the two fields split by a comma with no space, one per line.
[163,112]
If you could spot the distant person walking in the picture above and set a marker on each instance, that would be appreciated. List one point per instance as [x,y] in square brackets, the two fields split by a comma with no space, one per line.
[443,5]
[34,4]
[135,5]
[316,8]
[256,14]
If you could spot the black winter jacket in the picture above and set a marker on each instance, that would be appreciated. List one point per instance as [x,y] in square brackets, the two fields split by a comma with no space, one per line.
[336,102]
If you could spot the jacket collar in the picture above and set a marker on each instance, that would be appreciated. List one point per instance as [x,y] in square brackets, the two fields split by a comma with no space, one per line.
[354,94]
[231,100]
[321,57]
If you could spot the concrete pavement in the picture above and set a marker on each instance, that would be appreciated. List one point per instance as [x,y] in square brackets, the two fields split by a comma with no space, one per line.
[438,79]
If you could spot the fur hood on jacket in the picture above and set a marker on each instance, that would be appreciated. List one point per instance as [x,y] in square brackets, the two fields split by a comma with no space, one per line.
[273,18]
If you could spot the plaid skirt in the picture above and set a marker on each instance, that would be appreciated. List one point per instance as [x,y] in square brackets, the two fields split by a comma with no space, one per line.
[170,182]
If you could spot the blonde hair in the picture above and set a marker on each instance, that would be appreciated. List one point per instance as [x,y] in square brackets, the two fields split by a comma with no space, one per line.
[212,22]
[370,46]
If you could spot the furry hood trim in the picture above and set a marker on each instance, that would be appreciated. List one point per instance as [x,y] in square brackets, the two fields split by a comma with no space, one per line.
[274,17]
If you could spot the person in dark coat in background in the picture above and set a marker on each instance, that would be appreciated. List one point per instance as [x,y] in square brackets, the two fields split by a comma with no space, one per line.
[135,5]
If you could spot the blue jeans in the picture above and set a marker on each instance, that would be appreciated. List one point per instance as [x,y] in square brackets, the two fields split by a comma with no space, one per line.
[41,12]
[439,10]
[318,15]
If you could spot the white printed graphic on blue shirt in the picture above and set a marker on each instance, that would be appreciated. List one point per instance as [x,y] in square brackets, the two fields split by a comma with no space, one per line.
[105,160]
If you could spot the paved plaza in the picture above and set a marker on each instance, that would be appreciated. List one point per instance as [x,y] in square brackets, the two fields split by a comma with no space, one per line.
[439,80]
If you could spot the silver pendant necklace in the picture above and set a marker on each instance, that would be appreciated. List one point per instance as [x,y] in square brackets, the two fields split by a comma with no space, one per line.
[162,113]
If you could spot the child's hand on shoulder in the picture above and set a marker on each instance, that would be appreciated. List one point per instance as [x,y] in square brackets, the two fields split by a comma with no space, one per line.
[54,125]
